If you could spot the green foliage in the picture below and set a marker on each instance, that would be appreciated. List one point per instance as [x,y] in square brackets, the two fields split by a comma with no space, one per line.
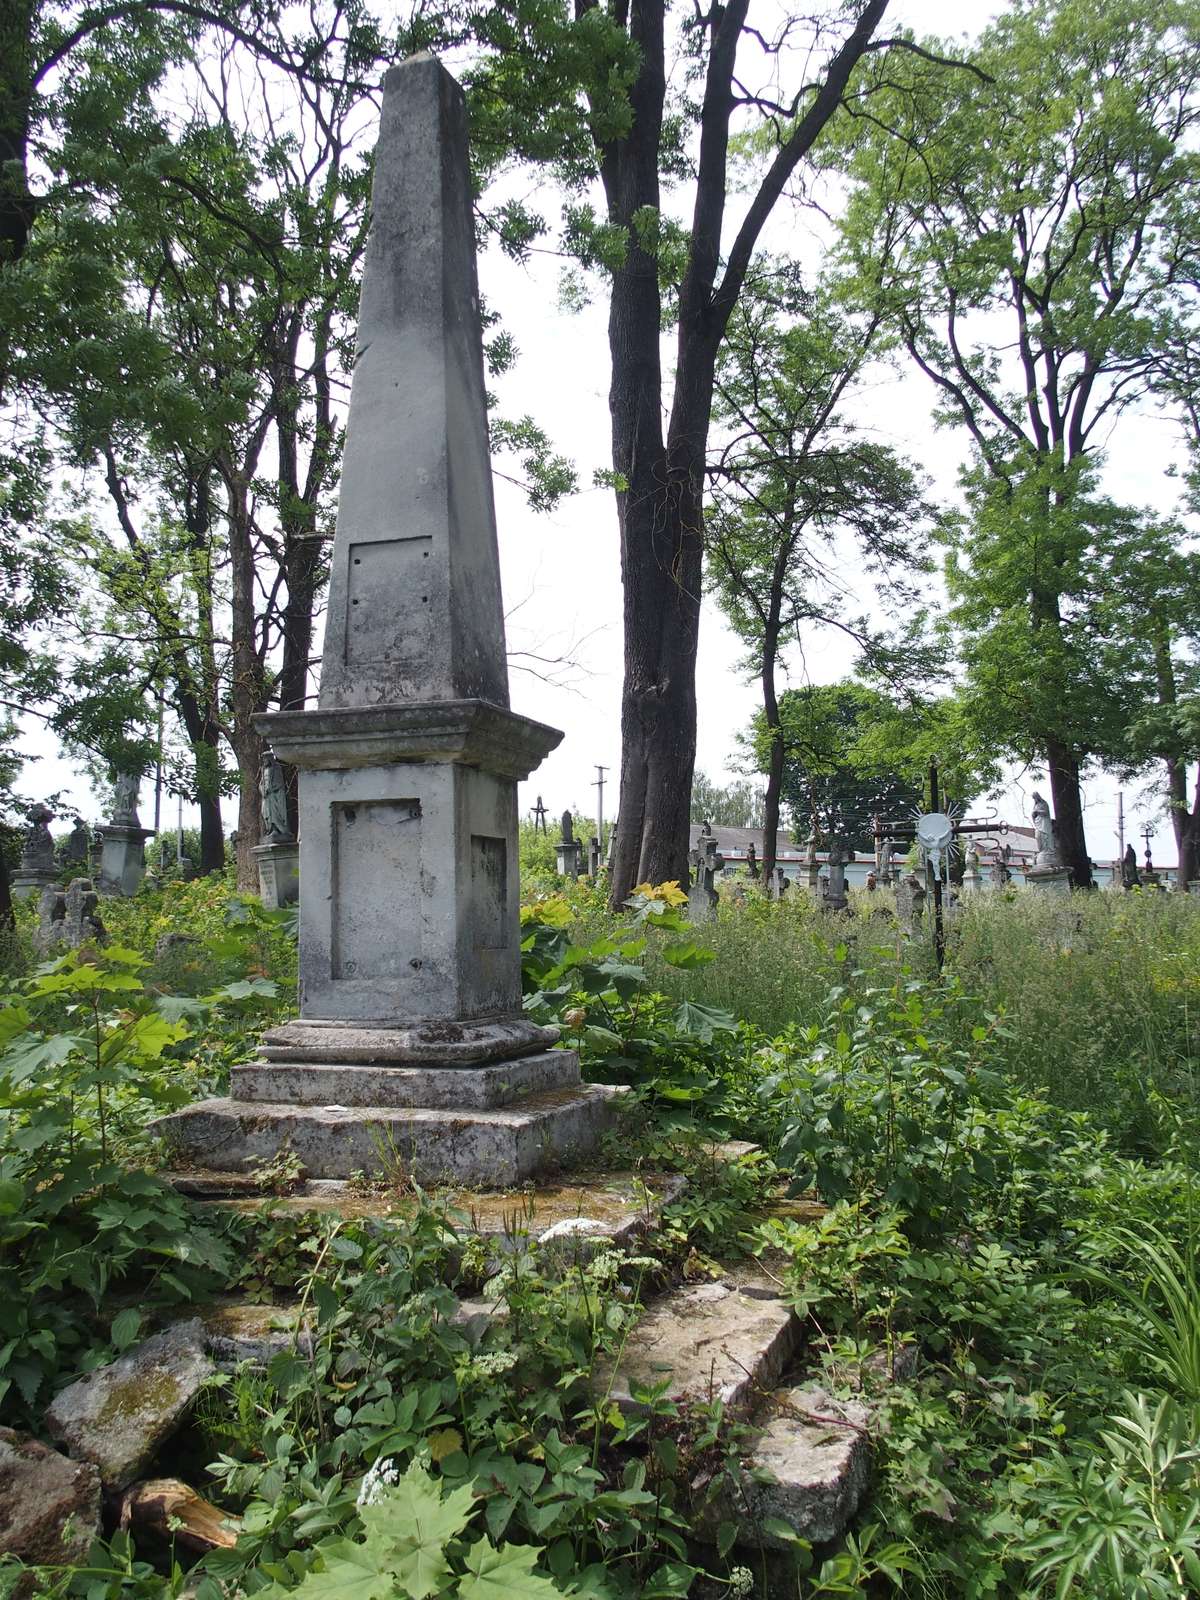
[409,1526]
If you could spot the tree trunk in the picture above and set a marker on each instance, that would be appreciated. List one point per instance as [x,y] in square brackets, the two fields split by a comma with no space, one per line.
[1063,765]
[17,206]
[775,760]
[1185,820]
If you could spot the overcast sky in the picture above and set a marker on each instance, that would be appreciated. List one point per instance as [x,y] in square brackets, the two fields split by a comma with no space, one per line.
[561,572]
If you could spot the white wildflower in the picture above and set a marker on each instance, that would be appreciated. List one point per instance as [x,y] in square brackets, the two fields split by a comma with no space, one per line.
[381,1476]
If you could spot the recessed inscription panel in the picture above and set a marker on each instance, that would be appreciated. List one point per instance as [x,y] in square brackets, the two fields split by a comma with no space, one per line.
[389,601]
[489,893]
[376,901]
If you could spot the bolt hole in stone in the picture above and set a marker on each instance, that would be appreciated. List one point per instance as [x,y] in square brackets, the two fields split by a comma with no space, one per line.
[350,813]
[415,964]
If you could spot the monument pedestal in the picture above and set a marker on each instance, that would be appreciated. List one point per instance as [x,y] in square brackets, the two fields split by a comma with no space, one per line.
[1054,878]
[483,1127]
[412,1054]
[30,881]
[123,858]
[278,874]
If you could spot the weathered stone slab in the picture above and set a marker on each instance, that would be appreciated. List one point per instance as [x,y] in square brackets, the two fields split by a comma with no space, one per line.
[443,1043]
[118,1416]
[478,1088]
[49,1506]
[717,1341]
[816,1453]
[620,1206]
[483,1148]
[235,1332]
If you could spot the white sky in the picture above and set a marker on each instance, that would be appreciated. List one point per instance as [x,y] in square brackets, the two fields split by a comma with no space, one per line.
[561,573]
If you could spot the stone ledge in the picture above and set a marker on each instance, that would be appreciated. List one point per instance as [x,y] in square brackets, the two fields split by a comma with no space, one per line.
[476,733]
[436,1044]
[435,1088]
[484,1148]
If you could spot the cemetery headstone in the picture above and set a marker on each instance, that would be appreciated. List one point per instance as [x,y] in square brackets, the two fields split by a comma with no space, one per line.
[706,862]
[69,918]
[123,850]
[412,1054]
[1129,868]
[752,861]
[569,850]
[78,844]
[278,856]
[1047,871]
[593,857]
[835,889]
[972,880]
[813,865]
[37,868]
[910,902]
[781,883]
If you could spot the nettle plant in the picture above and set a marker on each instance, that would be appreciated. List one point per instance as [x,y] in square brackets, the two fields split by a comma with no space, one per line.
[601,997]
[891,1097]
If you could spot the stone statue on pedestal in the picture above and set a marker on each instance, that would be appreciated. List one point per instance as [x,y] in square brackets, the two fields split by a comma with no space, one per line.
[1043,833]
[126,787]
[37,854]
[1129,868]
[273,798]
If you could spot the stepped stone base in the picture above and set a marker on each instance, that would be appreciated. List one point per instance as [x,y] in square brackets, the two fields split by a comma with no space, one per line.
[435,1088]
[486,1148]
[442,1044]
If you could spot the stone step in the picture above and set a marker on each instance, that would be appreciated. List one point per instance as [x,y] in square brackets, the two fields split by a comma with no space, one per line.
[435,1088]
[483,1148]
[435,1043]
[726,1341]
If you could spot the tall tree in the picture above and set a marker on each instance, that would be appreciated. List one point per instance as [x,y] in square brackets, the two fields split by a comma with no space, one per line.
[796,493]
[1026,230]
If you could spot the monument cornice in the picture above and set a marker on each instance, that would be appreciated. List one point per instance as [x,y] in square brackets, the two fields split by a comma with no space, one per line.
[473,733]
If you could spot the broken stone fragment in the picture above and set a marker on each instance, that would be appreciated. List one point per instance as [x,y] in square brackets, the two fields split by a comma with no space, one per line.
[808,1468]
[119,1416]
[49,1506]
[715,1341]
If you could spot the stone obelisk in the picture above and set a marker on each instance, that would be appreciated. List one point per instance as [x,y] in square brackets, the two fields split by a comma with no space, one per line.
[411,1043]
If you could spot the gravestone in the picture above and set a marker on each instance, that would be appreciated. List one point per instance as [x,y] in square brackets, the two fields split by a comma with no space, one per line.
[835,887]
[123,848]
[68,918]
[1130,877]
[813,865]
[910,902]
[751,861]
[706,861]
[278,856]
[1047,871]
[412,1054]
[593,857]
[78,845]
[568,849]
[37,868]
[972,880]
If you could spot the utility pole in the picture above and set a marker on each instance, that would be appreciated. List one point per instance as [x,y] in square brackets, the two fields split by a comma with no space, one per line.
[158,773]
[599,787]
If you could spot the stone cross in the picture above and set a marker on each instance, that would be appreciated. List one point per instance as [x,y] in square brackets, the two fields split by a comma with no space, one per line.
[412,1051]
[706,861]
[68,918]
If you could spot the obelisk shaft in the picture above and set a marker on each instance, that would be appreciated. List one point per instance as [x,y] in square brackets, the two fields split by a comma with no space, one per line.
[415,612]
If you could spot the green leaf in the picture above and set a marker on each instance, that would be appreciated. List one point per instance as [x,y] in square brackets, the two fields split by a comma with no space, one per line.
[688,955]
[504,1574]
[701,1022]
[125,1325]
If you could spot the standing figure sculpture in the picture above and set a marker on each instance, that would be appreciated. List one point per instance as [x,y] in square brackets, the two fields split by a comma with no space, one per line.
[1043,833]
[273,793]
[1130,877]
[126,786]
